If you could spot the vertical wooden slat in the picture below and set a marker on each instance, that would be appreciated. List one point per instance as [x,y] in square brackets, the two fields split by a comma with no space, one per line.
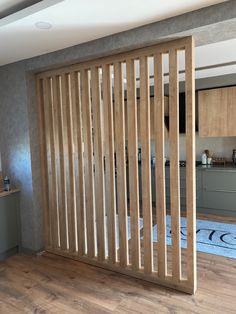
[109,162]
[43,164]
[88,161]
[160,164]
[99,161]
[121,162]
[57,89]
[54,159]
[133,162]
[78,161]
[56,152]
[49,129]
[69,162]
[174,165]
[146,164]
[57,187]
[190,165]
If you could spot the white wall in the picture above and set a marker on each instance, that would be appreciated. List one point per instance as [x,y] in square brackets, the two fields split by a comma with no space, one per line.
[220,146]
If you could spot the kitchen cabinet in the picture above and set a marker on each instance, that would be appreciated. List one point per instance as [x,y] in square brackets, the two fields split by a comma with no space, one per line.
[9,223]
[215,189]
[219,189]
[183,188]
[217,112]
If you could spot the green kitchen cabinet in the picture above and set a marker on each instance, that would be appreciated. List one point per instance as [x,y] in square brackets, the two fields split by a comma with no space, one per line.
[9,224]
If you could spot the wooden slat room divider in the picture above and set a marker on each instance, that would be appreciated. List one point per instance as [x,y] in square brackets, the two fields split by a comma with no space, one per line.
[98,203]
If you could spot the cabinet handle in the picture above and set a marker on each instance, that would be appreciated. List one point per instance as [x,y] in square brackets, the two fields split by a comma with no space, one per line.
[219,170]
[218,190]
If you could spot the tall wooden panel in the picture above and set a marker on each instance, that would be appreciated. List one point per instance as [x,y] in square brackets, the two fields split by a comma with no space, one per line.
[97,194]
[146,164]
[120,162]
[174,166]
[133,162]
[98,161]
[109,152]
[78,161]
[159,112]
[69,160]
[57,88]
[88,161]
[190,166]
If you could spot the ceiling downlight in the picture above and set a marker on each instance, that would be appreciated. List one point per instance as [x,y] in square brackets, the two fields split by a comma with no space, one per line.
[43,25]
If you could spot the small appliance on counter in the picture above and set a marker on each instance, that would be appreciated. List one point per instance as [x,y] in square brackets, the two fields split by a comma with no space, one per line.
[6,183]
[206,157]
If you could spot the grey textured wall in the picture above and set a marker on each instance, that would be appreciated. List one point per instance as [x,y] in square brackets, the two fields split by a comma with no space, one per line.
[18,108]
[15,142]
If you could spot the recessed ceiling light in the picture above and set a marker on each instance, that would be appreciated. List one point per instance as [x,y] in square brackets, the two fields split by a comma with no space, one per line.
[43,25]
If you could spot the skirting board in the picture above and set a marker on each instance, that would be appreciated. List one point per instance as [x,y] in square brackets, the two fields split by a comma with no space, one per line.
[6,254]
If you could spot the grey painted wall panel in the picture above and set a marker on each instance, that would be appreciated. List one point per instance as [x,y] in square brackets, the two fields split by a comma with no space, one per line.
[15,142]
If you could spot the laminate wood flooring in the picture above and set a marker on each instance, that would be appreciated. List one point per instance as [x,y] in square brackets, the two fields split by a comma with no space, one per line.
[53,284]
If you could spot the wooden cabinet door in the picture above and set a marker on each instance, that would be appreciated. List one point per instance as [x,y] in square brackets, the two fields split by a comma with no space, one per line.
[217,112]
[231,113]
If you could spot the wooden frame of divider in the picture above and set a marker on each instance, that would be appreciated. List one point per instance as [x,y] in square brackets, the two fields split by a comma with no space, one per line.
[82,126]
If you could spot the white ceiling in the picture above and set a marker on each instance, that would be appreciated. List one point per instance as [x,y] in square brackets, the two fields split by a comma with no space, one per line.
[77,21]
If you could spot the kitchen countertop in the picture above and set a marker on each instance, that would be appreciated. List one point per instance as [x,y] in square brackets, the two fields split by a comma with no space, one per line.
[227,167]
[6,193]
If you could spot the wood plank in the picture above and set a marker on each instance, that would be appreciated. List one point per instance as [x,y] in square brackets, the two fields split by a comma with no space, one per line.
[57,88]
[49,129]
[120,162]
[99,161]
[174,165]
[190,165]
[216,293]
[133,162]
[43,164]
[57,186]
[133,54]
[159,112]
[54,160]
[69,161]
[78,161]
[88,162]
[109,162]
[146,164]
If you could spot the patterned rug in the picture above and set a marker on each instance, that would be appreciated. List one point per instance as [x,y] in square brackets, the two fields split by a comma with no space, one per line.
[212,237]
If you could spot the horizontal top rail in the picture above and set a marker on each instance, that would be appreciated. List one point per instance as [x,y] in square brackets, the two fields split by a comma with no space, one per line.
[178,44]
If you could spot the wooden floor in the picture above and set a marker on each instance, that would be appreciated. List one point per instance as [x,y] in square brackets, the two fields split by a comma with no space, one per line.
[53,284]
